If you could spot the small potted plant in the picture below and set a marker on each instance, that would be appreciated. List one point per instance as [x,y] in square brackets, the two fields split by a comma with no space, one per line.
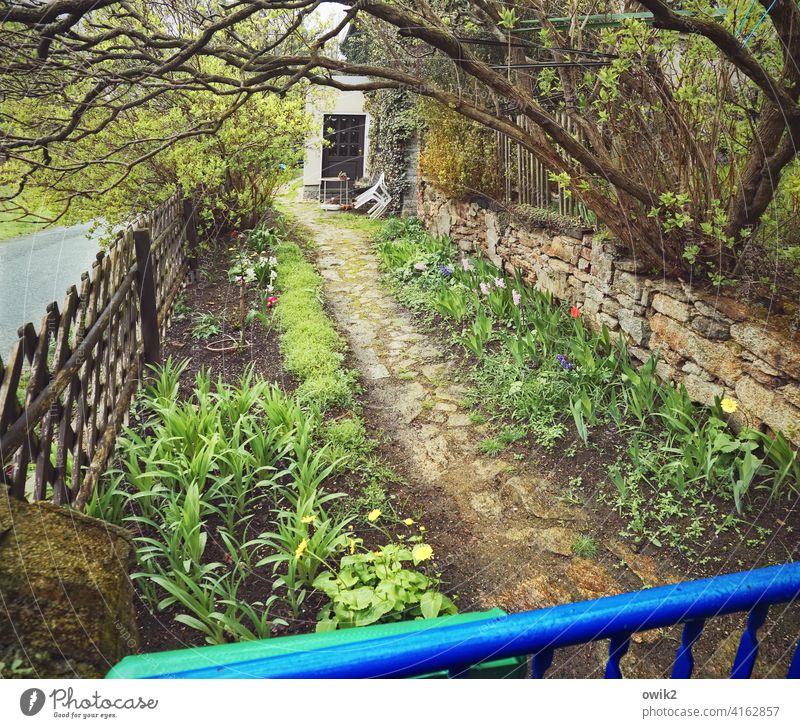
[343,176]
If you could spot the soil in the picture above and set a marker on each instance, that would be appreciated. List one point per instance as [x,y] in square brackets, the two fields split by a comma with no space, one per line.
[214,293]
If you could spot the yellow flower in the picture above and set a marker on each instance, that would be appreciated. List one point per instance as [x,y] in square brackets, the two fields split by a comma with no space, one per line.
[729,405]
[422,528]
[421,552]
[374,515]
[409,521]
[301,549]
[309,519]
[351,544]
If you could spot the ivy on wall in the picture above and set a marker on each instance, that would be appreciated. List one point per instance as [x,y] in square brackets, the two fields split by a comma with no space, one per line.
[393,122]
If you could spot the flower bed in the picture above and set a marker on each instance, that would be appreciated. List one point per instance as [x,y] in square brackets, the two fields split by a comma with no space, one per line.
[676,472]
[232,486]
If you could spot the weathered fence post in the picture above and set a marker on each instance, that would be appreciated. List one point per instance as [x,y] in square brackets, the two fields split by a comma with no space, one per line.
[190,226]
[148,309]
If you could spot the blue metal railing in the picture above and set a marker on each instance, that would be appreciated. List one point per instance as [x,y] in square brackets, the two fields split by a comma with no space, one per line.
[540,633]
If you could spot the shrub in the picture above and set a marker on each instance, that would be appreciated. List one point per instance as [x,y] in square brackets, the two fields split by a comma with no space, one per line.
[459,156]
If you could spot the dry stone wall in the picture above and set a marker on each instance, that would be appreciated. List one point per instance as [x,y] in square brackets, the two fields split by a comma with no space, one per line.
[715,345]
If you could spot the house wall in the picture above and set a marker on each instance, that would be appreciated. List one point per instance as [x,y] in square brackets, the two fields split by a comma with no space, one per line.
[330,102]
[714,345]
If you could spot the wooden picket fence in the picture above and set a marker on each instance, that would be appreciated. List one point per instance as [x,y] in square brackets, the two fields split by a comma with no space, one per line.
[526,181]
[66,389]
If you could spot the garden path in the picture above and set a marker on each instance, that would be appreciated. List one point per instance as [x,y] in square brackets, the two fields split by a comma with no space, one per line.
[501,529]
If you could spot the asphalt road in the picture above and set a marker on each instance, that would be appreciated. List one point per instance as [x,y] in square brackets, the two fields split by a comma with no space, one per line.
[36,269]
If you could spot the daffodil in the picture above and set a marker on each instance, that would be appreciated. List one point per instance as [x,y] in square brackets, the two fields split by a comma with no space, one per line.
[409,521]
[421,552]
[301,548]
[729,406]
[309,519]
[374,515]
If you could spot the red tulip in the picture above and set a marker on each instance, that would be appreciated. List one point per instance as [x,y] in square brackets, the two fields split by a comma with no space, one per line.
[574,312]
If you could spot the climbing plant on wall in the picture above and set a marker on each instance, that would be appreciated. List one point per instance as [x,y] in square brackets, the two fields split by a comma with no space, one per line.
[393,122]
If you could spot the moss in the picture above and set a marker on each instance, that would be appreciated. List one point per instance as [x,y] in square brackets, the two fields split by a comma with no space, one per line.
[67,598]
[312,349]
[547,219]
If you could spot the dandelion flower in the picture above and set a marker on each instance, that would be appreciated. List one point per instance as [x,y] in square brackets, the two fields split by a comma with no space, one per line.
[422,528]
[729,406]
[421,552]
[499,282]
[309,519]
[409,521]
[301,548]
[516,297]
[374,515]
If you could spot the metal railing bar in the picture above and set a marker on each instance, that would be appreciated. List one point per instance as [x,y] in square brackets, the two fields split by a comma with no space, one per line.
[528,632]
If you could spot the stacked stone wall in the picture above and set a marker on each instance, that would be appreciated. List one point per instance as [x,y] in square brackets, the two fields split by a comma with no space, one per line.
[713,344]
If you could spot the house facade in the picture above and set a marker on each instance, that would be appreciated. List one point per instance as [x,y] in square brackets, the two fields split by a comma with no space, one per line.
[339,141]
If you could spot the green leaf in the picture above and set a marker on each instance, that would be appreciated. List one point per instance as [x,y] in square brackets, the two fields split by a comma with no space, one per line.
[430,603]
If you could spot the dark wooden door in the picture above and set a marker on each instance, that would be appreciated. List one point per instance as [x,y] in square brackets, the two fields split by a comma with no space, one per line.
[343,150]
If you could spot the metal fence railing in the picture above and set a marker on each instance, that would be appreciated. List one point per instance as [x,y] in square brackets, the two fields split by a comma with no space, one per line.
[524,180]
[536,634]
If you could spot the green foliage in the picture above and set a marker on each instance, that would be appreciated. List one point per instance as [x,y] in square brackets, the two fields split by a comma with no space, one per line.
[224,453]
[380,587]
[492,446]
[248,152]
[584,546]
[205,326]
[14,663]
[459,156]
[393,122]
[453,303]
[312,349]
[347,443]
[221,457]
[540,366]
